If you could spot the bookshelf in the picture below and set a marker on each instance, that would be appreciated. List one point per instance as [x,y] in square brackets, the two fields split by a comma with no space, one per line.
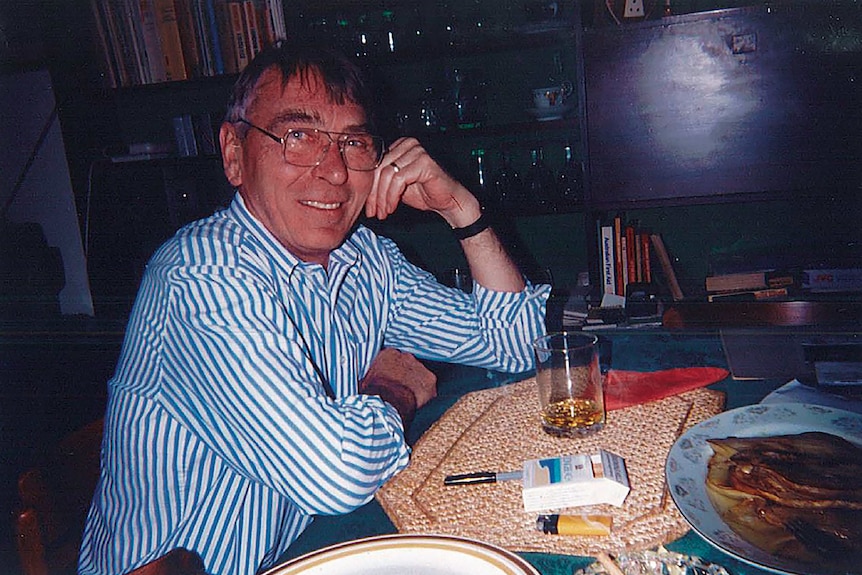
[153,41]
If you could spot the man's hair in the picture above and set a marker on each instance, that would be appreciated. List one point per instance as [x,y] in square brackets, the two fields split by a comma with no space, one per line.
[344,81]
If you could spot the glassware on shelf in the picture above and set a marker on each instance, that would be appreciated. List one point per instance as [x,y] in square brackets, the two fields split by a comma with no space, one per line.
[480,178]
[539,182]
[429,111]
[570,181]
[464,106]
[507,185]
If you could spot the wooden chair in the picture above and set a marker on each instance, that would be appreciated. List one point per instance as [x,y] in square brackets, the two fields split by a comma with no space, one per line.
[55,497]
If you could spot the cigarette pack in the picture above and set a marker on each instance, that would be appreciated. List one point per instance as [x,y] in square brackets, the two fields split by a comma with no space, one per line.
[575,480]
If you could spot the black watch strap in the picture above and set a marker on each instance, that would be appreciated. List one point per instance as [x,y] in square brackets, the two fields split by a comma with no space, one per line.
[480,225]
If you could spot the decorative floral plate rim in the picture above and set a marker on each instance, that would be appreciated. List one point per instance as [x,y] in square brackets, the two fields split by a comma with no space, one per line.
[687,461]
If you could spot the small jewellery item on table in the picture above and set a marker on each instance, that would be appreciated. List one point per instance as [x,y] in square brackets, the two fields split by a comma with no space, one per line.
[395,167]
[656,562]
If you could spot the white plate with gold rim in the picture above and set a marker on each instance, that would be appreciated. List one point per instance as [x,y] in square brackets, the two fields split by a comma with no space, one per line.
[689,457]
[406,553]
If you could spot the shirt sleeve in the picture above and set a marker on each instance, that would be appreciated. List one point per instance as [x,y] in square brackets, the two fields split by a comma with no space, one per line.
[484,328]
[235,371]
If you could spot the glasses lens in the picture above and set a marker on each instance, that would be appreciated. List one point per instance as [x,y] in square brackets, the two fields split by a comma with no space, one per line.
[307,147]
[361,151]
[304,147]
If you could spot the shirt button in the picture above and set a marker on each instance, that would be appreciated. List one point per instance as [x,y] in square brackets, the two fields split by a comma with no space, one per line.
[343,360]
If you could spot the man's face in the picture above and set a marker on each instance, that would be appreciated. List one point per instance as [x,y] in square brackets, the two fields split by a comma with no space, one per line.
[309,210]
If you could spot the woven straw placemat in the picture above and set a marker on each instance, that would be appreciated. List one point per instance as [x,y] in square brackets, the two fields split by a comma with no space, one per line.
[498,429]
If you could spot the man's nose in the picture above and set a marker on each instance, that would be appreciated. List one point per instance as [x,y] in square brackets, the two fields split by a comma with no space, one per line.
[332,166]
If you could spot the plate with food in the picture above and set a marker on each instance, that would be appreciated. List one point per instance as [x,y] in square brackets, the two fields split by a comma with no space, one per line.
[778,486]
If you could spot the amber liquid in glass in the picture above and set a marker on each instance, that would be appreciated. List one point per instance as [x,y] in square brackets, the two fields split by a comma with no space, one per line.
[573,417]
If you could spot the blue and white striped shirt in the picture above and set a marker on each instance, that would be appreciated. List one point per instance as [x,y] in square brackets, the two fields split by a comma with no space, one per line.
[219,436]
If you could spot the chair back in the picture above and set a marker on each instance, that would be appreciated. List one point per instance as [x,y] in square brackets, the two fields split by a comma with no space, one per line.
[54,499]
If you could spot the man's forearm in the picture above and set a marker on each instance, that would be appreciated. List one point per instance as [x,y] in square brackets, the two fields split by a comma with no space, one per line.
[490,264]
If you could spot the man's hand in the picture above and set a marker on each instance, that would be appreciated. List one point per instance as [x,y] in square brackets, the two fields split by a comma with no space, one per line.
[400,380]
[396,367]
[410,175]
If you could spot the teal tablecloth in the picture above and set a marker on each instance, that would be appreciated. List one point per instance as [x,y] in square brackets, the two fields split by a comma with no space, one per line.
[638,350]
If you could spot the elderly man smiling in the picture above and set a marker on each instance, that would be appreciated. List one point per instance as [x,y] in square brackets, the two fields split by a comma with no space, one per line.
[270,363]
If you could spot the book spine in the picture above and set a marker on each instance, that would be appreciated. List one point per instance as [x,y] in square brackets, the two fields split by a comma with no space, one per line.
[624,265]
[152,44]
[666,266]
[609,284]
[631,258]
[110,65]
[128,25]
[619,266]
[225,33]
[189,38]
[238,35]
[645,257]
[832,279]
[267,25]
[752,295]
[740,281]
[169,34]
[215,38]
[252,28]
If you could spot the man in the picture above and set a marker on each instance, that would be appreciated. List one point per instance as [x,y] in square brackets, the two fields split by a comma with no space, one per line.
[269,366]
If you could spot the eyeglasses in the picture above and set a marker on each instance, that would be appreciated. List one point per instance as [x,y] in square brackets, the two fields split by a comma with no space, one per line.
[306,147]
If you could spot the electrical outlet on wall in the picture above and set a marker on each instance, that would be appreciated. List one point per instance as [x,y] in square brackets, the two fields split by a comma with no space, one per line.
[634,9]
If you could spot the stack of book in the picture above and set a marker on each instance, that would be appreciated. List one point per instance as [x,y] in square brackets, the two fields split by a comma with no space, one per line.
[759,285]
[152,41]
[626,252]
[791,282]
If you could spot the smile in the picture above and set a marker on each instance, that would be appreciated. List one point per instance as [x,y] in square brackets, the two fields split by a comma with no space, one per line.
[321,205]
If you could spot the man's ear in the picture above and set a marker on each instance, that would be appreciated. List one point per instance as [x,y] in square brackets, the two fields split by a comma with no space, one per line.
[230,153]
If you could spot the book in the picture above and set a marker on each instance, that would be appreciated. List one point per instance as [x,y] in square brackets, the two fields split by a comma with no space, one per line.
[111,66]
[184,134]
[646,265]
[753,280]
[609,282]
[832,279]
[237,30]
[189,38]
[169,36]
[252,28]
[630,253]
[224,32]
[619,263]
[750,295]
[203,35]
[667,267]
[276,17]
[145,11]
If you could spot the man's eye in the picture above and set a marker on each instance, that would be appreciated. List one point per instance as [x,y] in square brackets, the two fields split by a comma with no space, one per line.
[299,136]
[358,141]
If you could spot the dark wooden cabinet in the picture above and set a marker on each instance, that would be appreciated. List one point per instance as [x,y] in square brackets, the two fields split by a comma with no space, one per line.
[729,105]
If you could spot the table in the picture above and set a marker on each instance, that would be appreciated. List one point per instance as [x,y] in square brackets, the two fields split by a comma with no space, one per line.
[638,350]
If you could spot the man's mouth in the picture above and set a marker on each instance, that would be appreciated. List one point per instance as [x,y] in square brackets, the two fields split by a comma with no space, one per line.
[321,205]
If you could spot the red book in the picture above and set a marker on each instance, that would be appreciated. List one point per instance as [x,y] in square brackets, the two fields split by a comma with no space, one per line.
[631,260]
[645,258]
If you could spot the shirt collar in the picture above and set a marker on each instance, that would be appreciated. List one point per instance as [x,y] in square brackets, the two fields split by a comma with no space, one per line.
[345,255]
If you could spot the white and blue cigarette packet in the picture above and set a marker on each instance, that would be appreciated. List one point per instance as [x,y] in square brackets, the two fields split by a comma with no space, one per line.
[574,481]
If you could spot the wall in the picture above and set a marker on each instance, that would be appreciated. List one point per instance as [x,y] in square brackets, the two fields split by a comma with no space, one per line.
[45,194]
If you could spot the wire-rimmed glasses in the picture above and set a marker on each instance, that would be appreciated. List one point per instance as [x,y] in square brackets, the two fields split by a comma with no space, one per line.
[306,147]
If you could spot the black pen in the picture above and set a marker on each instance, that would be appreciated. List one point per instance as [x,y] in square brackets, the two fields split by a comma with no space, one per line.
[481,477]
